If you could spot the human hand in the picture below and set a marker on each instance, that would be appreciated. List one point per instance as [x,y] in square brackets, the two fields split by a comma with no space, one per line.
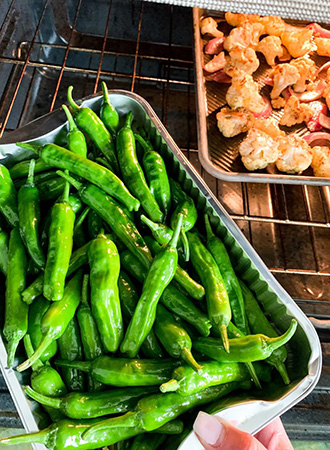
[215,433]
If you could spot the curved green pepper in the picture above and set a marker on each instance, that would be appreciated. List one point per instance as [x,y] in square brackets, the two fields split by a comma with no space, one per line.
[104,264]
[76,139]
[8,197]
[108,113]
[21,169]
[94,224]
[3,251]
[50,190]
[38,179]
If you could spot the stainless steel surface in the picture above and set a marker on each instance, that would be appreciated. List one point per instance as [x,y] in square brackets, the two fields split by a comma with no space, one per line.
[287,225]
[219,155]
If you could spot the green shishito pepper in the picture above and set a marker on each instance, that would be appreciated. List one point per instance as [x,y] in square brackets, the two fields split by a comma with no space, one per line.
[8,197]
[3,251]
[50,190]
[160,274]
[172,298]
[78,405]
[36,312]
[16,311]
[259,324]
[174,338]
[123,372]
[114,216]
[57,318]
[156,173]
[90,337]
[95,224]
[108,113]
[218,306]
[221,257]
[131,170]
[21,169]
[104,264]
[60,244]
[93,126]
[76,139]
[29,218]
[95,173]
[249,348]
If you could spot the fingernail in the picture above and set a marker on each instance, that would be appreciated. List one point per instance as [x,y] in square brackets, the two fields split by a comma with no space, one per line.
[209,429]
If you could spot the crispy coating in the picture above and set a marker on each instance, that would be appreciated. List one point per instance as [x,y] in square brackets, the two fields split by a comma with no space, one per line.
[244,36]
[326,93]
[322,46]
[270,47]
[295,155]
[269,127]
[243,93]
[244,59]
[233,122]
[218,62]
[284,75]
[278,103]
[307,72]
[297,42]
[258,150]
[321,161]
[209,26]
[274,25]
[237,19]
[295,112]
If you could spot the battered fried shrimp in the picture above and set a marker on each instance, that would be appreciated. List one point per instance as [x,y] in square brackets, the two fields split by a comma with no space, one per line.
[274,25]
[307,72]
[244,59]
[270,47]
[283,75]
[298,42]
[269,127]
[322,46]
[295,112]
[258,150]
[236,20]
[233,122]
[244,36]
[243,93]
[295,155]
[321,161]
[210,26]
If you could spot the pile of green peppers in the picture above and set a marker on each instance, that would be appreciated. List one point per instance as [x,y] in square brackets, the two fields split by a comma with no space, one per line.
[121,301]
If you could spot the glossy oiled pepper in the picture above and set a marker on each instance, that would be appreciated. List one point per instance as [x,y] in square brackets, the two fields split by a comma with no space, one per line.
[45,380]
[3,251]
[29,218]
[77,260]
[36,312]
[148,442]
[124,372]
[95,173]
[129,299]
[108,113]
[59,247]
[221,257]
[132,173]
[38,179]
[57,318]
[259,324]
[104,264]
[16,311]
[172,298]
[194,289]
[21,169]
[70,349]
[174,338]
[249,348]
[95,224]
[79,234]
[90,337]
[218,306]
[76,139]
[156,174]
[50,190]
[79,405]
[91,124]
[8,197]
[160,274]
[114,216]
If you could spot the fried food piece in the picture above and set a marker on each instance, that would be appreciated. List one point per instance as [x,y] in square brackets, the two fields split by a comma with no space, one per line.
[295,112]
[237,19]
[218,62]
[269,127]
[283,75]
[244,36]
[307,72]
[270,47]
[244,59]
[322,46]
[298,42]
[243,93]
[274,25]
[258,150]
[209,26]
[295,155]
[326,93]
[321,161]
[233,122]
[278,103]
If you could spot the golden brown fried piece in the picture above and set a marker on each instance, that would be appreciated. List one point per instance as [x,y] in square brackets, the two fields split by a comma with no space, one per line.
[270,47]
[244,36]
[244,59]
[269,127]
[258,150]
[283,75]
[295,112]
[307,72]
[326,93]
[274,25]
[297,42]
[237,19]
[244,93]
[295,155]
[322,46]
[278,103]
[209,26]
[233,122]
[321,161]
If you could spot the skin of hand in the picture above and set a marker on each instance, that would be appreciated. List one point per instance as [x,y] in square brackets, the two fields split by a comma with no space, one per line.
[215,433]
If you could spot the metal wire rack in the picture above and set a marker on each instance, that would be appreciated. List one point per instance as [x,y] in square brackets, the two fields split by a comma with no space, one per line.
[46,45]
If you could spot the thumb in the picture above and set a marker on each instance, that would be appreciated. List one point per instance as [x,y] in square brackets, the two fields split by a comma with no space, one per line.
[215,433]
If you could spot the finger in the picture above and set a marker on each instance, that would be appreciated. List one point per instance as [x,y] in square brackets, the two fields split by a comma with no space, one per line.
[274,436]
[215,433]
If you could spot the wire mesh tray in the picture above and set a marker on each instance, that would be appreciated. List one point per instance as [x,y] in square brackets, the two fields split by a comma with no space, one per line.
[219,155]
[304,350]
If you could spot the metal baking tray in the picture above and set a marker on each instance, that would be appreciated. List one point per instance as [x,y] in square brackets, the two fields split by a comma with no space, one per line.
[304,350]
[219,155]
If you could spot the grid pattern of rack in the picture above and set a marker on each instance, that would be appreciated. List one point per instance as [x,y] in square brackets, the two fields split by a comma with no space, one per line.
[46,45]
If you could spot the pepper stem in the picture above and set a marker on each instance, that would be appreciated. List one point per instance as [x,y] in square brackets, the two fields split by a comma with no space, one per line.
[128,420]
[208,228]
[187,356]
[44,343]
[43,399]
[11,350]
[30,177]
[33,147]
[277,342]
[85,366]
[224,337]
[174,240]
[72,123]
[150,224]
[144,144]
[105,92]
[81,218]
[253,374]
[185,244]
[29,351]
[41,437]
[70,179]
[128,120]
[71,102]
[280,367]
[84,292]
[170,386]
